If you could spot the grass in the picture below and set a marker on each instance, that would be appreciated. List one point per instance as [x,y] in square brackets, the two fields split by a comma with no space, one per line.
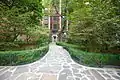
[12,58]
[91,59]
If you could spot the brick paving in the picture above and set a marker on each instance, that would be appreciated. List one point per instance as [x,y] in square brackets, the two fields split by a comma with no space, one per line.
[57,65]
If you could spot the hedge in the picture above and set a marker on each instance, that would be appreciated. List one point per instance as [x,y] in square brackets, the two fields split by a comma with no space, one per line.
[91,59]
[12,58]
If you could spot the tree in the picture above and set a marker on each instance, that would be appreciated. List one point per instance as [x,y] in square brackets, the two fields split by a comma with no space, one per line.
[95,24]
[17,16]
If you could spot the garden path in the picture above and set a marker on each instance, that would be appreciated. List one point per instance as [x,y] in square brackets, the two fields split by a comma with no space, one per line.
[57,65]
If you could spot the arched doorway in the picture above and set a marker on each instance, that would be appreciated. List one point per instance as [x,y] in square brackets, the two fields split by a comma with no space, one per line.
[54,38]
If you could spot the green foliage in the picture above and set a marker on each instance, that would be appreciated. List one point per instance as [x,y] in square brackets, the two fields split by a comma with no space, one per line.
[42,35]
[94,24]
[43,40]
[91,59]
[66,44]
[18,17]
[7,46]
[20,21]
[10,58]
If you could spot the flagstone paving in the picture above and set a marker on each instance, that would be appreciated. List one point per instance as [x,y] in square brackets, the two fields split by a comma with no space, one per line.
[57,65]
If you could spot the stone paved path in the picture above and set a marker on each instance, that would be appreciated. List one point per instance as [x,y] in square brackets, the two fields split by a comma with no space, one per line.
[57,65]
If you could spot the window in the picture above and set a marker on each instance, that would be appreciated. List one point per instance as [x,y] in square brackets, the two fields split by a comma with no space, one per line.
[55,18]
[55,27]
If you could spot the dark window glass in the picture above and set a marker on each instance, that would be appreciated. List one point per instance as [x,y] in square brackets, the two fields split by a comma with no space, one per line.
[55,27]
[55,18]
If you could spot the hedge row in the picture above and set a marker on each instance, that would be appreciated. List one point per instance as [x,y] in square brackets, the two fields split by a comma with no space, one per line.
[91,59]
[12,58]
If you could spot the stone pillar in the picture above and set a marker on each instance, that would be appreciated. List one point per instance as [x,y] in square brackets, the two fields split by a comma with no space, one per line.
[67,25]
[49,22]
[60,19]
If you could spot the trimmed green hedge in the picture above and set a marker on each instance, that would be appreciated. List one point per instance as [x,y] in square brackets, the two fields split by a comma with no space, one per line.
[10,58]
[91,59]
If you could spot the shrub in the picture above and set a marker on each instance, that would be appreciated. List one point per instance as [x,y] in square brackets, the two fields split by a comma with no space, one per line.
[91,59]
[10,58]
[7,46]
[43,40]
